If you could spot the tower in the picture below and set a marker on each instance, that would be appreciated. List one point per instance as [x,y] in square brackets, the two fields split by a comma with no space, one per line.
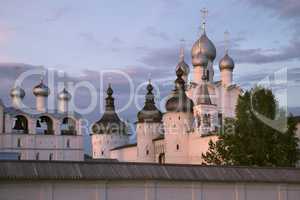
[109,132]
[17,94]
[226,65]
[182,64]
[205,112]
[41,91]
[63,101]
[148,127]
[177,122]
[208,49]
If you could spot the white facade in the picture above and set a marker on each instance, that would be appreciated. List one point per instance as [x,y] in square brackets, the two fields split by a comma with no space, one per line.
[185,134]
[40,134]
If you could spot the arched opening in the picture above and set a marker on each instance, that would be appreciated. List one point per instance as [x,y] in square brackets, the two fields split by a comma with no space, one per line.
[68,126]
[161,158]
[20,124]
[44,126]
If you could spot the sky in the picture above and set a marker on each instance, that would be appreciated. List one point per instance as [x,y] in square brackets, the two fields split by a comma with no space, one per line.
[142,39]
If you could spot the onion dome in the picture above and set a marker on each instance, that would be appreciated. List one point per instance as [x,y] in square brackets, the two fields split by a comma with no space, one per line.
[41,90]
[182,64]
[202,60]
[205,45]
[17,92]
[202,93]
[149,113]
[178,101]
[226,63]
[110,122]
[64,95]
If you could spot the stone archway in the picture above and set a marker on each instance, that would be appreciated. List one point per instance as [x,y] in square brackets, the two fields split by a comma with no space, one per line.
[20,124]
[44,125]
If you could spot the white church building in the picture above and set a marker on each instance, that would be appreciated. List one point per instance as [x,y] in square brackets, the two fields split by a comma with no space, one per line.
[195,110]
[40,133]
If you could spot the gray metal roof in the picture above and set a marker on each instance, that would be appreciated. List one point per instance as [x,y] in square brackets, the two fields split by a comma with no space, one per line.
[124,146]
[63,170]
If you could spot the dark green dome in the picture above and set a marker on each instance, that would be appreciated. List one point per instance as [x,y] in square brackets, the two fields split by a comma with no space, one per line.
[178,101]
[150,112]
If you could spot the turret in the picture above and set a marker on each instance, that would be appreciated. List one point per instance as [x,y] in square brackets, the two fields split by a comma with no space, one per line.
[205,112]
[63,101]
[178,122]
[108,132]
[148,127]
[41,91]
[226,65]
[17,94]
[183,66]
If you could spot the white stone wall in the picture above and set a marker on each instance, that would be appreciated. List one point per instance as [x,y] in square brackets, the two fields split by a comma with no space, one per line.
[103,143]
[128,154]
[197,146]
[34,146]
[146,132]
[29,145]
[177,125]
[147,190]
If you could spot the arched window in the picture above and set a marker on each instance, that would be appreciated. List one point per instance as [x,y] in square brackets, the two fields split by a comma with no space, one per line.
[68,126]
[44,125]
[20,124]
[147,152]
[177,147]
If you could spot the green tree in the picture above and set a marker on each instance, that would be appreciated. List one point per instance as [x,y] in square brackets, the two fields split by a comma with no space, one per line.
[248,140]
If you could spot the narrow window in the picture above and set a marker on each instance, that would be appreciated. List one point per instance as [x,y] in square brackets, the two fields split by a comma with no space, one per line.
[177,146]
[19,157]
[102,153]
[179,118]
[19,142]
[147,152]
[51,156]
[68,143]
[37,156]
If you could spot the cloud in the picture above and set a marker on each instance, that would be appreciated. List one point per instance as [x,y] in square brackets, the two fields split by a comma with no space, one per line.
[58,14]
[153,32]
[90,39]
[285,8]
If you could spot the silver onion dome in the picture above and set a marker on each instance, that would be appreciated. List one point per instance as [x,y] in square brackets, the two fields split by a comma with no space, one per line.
[205,45]
[202,59]
[17,92]
[64,95]
[41,90]
[226,63]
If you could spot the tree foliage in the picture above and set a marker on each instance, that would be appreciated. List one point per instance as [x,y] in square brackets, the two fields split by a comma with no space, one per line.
[249,140]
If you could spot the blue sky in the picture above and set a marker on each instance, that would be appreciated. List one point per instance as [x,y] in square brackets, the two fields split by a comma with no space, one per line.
[142,37]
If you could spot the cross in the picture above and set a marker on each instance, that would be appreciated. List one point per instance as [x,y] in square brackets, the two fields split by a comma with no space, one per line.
[226,41]
[204,13]
[181,54]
